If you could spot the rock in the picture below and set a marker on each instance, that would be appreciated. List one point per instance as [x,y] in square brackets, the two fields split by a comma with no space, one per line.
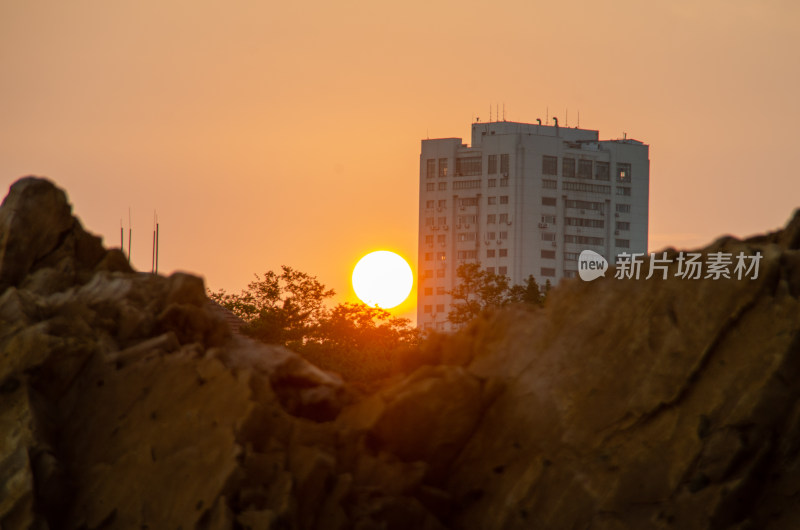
[127,401]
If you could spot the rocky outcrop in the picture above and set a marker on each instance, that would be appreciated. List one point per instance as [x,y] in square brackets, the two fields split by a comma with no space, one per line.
[126,402]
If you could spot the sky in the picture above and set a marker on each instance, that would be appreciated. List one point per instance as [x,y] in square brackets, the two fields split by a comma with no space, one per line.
[267,133]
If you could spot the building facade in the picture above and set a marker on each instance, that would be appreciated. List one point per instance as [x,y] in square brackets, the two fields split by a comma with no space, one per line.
[525,199]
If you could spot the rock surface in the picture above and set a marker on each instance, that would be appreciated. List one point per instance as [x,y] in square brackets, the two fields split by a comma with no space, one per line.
[126,402]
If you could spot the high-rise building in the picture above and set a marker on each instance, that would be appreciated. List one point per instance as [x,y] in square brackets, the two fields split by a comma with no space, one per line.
[525,199]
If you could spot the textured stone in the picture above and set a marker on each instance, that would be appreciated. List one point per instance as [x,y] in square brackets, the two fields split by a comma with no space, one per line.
[126,401]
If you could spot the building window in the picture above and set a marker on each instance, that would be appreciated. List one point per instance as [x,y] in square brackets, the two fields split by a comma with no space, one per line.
[429,186]
[548,201]
[623,225]
[490,253]
[504,199]
[439,326]
[442,203]
[601,170]
[467,254]
[623,243]
[442,167]
[490,270]
[623,172]
[504,218]
[503,252]
[586,223]
[570,256]
[492,200]
[440,308]
[490,235]
[491,219]
[429,221]
[469,201]
[623,208]
[431,169]
[443,186]
[625,191]
[584,169]
[467,236]
[492,164]
[492,183]
[503,183]
[440,273]
[428,325]
[503,271]
[548,271]
[429,239]
[441,256]
[441,238]
[584,186]
[504,164]
[548,236]
[468,167]
[428,256]
[428,273]
[584,205]
[568,167]
[428,309]
[440,290]
[466,184]
[548,254]
[429,204]
[467,219]
[570,274]
[549,219]
[549,184]
[549,165]
[442,221]
[503,235]
[429,291]
[584,240]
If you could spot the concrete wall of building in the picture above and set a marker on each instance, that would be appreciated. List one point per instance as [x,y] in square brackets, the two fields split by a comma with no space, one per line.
[540,239]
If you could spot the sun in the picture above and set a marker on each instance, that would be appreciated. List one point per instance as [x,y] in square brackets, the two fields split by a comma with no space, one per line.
[382,278]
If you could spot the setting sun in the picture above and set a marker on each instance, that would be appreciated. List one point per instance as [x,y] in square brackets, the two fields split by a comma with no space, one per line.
[382,278]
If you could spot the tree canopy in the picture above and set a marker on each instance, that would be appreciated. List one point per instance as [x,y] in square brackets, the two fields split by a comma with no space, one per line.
[478,289]
[289,308]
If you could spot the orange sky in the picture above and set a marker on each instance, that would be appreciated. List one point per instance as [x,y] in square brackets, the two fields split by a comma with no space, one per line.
[289,134]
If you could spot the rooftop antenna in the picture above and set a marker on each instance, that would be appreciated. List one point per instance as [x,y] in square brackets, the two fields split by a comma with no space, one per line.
[153,258]
[579,119]
[547,115]
[504,111]
[567,113]
[490,114]
[130,233]
[157,234]
[497,112]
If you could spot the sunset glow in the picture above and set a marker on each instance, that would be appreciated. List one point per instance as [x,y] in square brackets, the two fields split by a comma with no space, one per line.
[270,133]
[382,278]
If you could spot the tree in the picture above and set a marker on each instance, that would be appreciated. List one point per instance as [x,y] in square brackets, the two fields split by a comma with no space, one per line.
[528,293]
[478,290]
[361,343]
[279,308]
[350,326]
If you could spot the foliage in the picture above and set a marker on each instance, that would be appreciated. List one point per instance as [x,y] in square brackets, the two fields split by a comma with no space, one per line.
[359,342]
[280,308]
[478,289]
